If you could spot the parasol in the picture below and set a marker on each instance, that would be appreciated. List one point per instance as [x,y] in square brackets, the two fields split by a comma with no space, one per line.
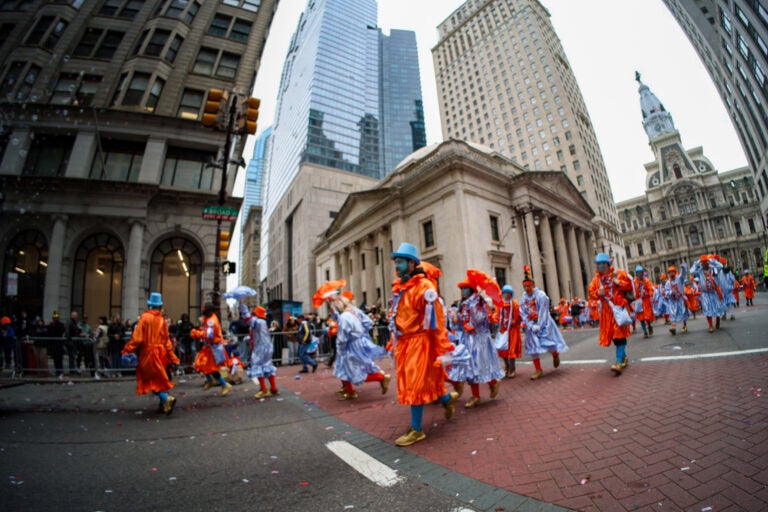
[487,284]
[240,292]
[326,290]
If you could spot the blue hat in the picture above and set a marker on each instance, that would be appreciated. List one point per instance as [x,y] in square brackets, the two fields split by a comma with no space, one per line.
[638,268]
[507,289]
[129,361]
[408,251]
[155,299]
[602,258]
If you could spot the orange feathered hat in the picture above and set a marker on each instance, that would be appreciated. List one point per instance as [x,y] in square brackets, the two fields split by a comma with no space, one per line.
[327,290]
[348,295]
[260,312]
[663,277]
[672,269]
[466,284]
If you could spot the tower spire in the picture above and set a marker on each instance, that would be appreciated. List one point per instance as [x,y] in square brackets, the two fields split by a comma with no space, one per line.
[656,120]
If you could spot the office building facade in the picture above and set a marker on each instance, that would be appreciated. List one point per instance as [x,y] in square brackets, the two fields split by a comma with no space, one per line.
[731,38]
[504,81]
[104,164]
[350,100]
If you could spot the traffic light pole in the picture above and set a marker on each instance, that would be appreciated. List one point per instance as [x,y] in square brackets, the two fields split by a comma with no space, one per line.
[222,199]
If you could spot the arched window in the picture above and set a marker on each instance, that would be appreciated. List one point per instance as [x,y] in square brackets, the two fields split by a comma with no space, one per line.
[27,257]
[694,236]
[97,279]
[176,273]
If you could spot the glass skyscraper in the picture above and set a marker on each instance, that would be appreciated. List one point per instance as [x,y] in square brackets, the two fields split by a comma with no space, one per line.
[349,97]
[254,179]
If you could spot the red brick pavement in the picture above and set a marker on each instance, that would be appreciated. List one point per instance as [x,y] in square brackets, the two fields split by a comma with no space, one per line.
[662,436]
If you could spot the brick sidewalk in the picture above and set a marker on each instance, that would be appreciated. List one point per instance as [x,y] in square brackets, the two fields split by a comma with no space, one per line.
[663,436]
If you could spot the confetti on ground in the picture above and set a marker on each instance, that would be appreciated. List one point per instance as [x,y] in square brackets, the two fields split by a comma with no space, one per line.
[615,430]
[585,479]
[108,491]
[172,478]
[328,428]
[154,469]
[474,452]
[489,439]
[245,480]
[275,472]
[303,484]
[686,468]
[706,509]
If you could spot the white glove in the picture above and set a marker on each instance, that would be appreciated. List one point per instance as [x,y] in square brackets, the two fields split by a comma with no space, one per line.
[535,328]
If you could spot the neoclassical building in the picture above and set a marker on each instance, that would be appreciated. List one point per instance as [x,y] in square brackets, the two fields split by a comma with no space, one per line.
[105,166]
[688,207]
[464,206]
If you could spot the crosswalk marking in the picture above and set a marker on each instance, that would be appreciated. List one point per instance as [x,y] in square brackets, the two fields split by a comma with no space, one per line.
[372,469]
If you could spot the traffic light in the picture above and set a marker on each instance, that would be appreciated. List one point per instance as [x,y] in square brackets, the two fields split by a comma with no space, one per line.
[223,244]
[215,114]
[228,267]
[249,114]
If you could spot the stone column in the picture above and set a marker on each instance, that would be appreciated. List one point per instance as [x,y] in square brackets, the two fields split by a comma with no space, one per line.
[563,266]
[14,157]
[357,283]
[53,272]
[132,289]
[336,266]
[549,256]
[532,242]
[586,255]
[573,252]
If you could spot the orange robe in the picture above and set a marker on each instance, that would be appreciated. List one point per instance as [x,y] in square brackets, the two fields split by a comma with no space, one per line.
[750,285]
[594,314]
[609,330]
[515,350]
[736,286]
[204,361]
[419,381]
[644,292]
[691,298]
[155,352]
[565,310]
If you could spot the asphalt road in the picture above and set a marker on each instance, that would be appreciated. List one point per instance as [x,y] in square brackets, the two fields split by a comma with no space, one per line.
[95,446]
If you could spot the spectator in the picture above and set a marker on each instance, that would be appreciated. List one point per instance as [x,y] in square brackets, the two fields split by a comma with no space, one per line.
[56,331]
[183,328]
[73,333]
[86,348]
[7,341]
[290,329]
[102,343]
[116,333]
[305,338]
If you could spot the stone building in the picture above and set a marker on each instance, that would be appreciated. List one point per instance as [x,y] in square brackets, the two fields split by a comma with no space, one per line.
[688,208]
[104,164]
[464,206]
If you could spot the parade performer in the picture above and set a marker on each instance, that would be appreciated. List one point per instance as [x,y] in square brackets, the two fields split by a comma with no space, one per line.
[658,301]
[261,366]
[419,338]
[594,312]
[727,281]
[692,296]
[151,338]
[610,287]
[711,294]
[509,327]
[750,286]
[212,356]
[736,288]
[541,332]
[674,291]
[564,313]
[642,304]
[475,316]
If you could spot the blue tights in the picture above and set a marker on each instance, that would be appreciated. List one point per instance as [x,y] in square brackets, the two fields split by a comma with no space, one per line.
[417,412]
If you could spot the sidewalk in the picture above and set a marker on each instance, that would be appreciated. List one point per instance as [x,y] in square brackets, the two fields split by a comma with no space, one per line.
[684,435]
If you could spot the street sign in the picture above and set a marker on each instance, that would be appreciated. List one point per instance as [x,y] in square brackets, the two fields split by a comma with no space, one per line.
[228,267]
[227,213]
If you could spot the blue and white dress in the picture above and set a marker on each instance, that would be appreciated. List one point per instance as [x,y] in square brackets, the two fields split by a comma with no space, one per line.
[484,362]
[354,354]
[725,279]
[711,303]
[534,310]
[674,291]
[261,355]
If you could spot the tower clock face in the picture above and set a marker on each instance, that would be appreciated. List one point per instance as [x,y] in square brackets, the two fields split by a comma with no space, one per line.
[657,128]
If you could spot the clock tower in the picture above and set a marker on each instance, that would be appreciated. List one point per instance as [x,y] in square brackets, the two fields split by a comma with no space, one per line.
[656,120]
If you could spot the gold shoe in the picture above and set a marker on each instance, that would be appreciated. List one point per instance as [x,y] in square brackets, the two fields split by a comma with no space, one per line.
[341,391]
[450,406]
[168,405]
[495,388]
[511,375]
[385,383]
[685,330]
[208,385]
[348,396]
[262,394]
[473,402]
[624,362]
[459,388]
[673,331]
[617,368]
[711,329]
[226,389]
[556,360]
[410,437]
[537,375]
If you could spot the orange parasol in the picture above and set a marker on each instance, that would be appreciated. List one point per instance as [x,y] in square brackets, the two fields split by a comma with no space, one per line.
[326,290]
[488,284]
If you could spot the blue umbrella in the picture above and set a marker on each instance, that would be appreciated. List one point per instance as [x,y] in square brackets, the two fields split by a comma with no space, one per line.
[240,292]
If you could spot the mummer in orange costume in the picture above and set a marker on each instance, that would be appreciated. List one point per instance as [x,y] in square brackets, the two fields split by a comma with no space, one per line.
[155,353]
[212,356]
[419,338]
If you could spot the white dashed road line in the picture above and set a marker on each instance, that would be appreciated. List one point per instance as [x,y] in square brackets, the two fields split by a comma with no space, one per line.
[372,469]
[706,356]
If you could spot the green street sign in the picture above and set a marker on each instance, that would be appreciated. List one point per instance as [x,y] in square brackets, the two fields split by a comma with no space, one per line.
[227,213]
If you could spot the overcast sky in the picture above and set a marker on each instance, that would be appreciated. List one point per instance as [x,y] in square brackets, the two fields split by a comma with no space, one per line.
[605,41]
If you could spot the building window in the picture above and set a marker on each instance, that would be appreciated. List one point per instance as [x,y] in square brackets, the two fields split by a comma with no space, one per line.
[572,149]
[157,42]
[220,25]
[121,8]
[138,86]
[737,226]
[362,261]
[179,9]
[248,5]
[501,275]
[173,48]
[225,65]
[188,168]
[639,249]
[29,81]
[191,102]
[628,251]
[495,228]
[46,32]
[75,89]
[576,165]
[429,235]
[653,246]
[693,235]
[751,223]
[117,160]
[48,155]
[98,43]
[154,95]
